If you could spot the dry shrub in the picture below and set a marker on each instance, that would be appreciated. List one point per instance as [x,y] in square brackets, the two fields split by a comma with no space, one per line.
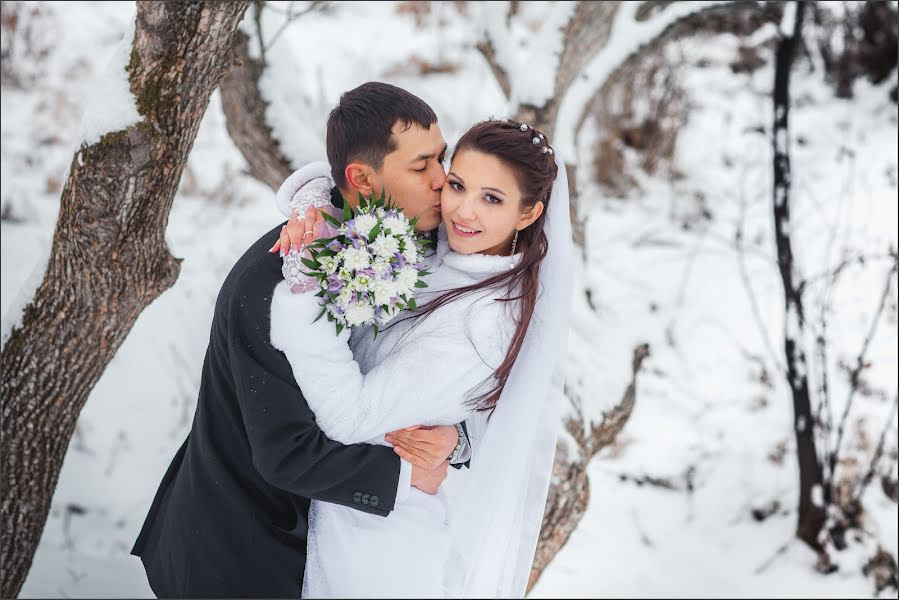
[639,115]
[28,35]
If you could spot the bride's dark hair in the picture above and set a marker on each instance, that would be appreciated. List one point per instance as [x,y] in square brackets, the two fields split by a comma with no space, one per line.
[535,170]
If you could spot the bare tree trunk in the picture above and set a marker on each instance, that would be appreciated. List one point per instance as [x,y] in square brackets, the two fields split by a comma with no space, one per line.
[811,513]
[569,492]
[109,260]
[244,110]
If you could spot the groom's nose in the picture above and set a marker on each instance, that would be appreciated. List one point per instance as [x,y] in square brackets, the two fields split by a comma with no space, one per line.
[439,179]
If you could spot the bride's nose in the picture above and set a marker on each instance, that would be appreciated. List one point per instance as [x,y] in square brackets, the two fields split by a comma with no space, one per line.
[466,209]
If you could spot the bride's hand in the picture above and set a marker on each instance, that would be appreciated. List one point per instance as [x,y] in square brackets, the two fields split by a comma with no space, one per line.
[424,446]
[297,234]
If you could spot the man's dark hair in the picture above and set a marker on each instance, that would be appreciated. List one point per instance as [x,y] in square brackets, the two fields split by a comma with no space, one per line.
[359,127]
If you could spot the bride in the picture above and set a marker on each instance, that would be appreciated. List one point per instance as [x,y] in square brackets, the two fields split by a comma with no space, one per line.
[488,339]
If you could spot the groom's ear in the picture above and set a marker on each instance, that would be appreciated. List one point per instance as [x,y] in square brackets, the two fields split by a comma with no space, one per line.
[359,176]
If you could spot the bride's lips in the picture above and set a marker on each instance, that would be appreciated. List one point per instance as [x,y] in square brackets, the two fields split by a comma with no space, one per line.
[461,233]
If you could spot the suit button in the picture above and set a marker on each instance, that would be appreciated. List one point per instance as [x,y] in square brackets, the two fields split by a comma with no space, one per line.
[365,498]
[357,496]
[374,501]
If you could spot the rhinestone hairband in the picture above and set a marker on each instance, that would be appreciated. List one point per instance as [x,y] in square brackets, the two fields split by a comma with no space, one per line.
[536,140]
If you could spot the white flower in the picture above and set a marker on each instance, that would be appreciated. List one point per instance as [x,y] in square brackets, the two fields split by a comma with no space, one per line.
[410,254]
[344,297]
[381,268]
[384,291]
[385,246]
[380,212]
[332,308]
[361,283]
[328,264]
[354,258]
[358,313]
[364,224]
[405,280]
[396,225]
[408,241]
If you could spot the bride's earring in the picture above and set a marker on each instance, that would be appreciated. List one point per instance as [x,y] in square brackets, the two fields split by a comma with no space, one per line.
[512,256]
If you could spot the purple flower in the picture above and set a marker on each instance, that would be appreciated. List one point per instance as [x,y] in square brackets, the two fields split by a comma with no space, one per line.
[400,260]
[335,246]
[335,284]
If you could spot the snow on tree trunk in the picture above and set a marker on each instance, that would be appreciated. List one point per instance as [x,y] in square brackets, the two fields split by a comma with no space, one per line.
[109,258]
[811,511]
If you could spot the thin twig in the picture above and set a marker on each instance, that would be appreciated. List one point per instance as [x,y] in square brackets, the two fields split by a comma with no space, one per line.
[824,406]
[879,451]
[761,568]
[854,374]
[291,16]
[833,273]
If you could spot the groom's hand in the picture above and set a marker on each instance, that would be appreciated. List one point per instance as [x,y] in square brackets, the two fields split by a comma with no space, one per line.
[424,446]
[429,480]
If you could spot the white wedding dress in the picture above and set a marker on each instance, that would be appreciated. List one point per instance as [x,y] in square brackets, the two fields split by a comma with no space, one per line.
[477,537]
[361,388]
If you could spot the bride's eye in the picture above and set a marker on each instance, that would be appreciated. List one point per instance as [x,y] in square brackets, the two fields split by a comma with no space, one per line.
[491,199]
[456,186]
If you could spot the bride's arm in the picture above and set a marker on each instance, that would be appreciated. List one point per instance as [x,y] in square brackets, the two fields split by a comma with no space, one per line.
[417,382]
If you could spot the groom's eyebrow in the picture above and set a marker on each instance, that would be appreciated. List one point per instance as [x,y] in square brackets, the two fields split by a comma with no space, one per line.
[431,155]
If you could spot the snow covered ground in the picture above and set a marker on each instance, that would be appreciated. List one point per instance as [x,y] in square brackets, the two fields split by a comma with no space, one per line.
[713,418]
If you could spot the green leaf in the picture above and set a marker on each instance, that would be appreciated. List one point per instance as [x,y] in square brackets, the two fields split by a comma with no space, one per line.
[339,328]
[374,233]
[310,263]
[376,331]
[421,284]
[411,304]
[347,211]
[330,219]
[324,310]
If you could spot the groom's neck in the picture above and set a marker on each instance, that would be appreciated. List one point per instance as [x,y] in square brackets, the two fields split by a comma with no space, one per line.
[350,196]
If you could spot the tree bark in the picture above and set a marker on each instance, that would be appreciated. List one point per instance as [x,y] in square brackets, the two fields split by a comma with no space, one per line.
[244,110]
[811,514]
[108,261]
[569,492]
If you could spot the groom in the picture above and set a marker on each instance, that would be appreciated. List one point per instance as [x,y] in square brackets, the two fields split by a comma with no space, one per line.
[230,516]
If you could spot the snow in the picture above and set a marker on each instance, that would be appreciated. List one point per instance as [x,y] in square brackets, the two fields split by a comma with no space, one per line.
[111,105]
[713,414]
[12,315]
[788,22]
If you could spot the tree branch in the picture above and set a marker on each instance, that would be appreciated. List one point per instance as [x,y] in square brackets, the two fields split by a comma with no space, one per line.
[854,378]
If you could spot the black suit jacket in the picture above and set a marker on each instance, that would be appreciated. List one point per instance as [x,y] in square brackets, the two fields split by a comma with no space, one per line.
[230,516]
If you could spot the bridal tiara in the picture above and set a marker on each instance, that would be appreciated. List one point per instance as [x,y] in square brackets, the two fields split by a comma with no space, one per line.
[536,140]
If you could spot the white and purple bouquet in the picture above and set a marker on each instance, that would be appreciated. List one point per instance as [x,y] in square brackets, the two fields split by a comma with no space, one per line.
[369,271]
